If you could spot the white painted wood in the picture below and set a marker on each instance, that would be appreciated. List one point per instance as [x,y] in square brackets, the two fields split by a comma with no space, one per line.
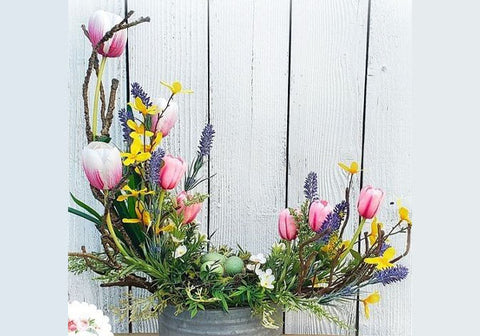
[326,109]
[388,146]
[173,46]
[248,107]
[82,232]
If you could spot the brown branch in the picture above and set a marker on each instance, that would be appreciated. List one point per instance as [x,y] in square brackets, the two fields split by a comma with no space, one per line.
[347,199]
[91,65]
[111,106]
[133,280]
[407,249]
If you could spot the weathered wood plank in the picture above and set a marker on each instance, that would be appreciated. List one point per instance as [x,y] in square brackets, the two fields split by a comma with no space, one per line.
[388,146]
[326,110]
[82,232]
[248,106]
[173,46]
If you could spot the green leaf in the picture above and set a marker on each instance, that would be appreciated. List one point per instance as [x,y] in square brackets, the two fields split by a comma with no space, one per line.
[84,215]
[356,255]
[86,207]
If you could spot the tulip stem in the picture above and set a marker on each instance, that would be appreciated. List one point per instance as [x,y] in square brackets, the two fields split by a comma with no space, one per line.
[160,203]
[353,240]
[108,220]
[96,97]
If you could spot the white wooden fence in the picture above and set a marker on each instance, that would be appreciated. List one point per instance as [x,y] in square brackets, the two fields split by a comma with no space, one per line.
[290,87]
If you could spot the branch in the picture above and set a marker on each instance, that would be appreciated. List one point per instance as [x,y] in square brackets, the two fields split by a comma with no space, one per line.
[107,122]
[133,280]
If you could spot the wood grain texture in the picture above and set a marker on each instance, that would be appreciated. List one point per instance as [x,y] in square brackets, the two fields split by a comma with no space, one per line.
[248,107]
[326,112]
[388,147]
[173,46]
[82,232]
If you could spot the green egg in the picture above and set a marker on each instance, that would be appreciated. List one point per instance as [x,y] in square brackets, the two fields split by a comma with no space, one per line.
[213,256]
[213,267]
[233,265]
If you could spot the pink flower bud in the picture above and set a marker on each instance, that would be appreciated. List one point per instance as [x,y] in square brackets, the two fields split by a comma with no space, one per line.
[189,212]
[369,201]
[319,210]
[172,171]
[102,165]
[98,25]
[287,228]
[168,119]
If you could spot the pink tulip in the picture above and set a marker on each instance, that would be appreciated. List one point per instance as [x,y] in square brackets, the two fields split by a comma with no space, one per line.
[287,228]
[189,212]
[168,119]
[98,25]
[319,210]
[369,201]
[172,171]
[102,165]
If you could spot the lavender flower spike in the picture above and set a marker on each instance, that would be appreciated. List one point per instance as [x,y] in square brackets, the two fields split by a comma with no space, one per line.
[123,116]
[390,275]
[155,165]
[137,91]
[310,188]
[206,140]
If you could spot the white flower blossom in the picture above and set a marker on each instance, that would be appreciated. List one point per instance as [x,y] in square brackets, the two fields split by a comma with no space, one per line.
[279,246]
[258,258]
[180,251]
[266,278]
[176,240]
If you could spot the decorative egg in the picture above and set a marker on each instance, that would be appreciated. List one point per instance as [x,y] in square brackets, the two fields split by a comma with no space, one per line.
[233,265]
[213,267]
[213,256]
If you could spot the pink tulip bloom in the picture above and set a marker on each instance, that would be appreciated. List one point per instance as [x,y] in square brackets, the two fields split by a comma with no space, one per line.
[369,201]
[287,228]
[319,210]
[98,25]
[172,171]
[189,212]
[168,119]
[102,165]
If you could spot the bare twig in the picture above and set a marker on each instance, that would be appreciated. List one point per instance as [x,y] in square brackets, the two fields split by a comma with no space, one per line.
[111,106]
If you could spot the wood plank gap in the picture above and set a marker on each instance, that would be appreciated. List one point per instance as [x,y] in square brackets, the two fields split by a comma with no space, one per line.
[367,45]
[288,119]
[127,98]
[208,120]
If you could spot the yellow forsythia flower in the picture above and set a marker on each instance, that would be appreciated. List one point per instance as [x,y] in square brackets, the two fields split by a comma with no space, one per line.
[371,299]
[143,216]
[374,232]
[133,193]
[404,215]
[136,154]
[383,261]
[176,87]
[353,169]
[140,107]
[137,130]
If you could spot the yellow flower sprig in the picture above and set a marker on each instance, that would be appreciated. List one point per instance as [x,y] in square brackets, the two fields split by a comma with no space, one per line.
[353,169]
[136,154]
[383,261]
[371,299]
[138,105]
[138,130]
[143,216]
[133,193]
[176,87]
[374,231]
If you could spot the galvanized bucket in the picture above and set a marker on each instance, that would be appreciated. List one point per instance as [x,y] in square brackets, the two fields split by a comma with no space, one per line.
[238,321]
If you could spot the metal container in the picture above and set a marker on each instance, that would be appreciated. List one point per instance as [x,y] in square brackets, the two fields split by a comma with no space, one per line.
[238,321]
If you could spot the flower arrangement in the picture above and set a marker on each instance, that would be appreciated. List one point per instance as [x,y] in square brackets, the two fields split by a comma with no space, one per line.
[151,238]
[86,320]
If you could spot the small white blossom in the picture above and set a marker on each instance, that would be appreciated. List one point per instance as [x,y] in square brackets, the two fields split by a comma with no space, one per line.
[279,246]
[266,278]
[86,320]
[258,258]
[180,251]
[176,240]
